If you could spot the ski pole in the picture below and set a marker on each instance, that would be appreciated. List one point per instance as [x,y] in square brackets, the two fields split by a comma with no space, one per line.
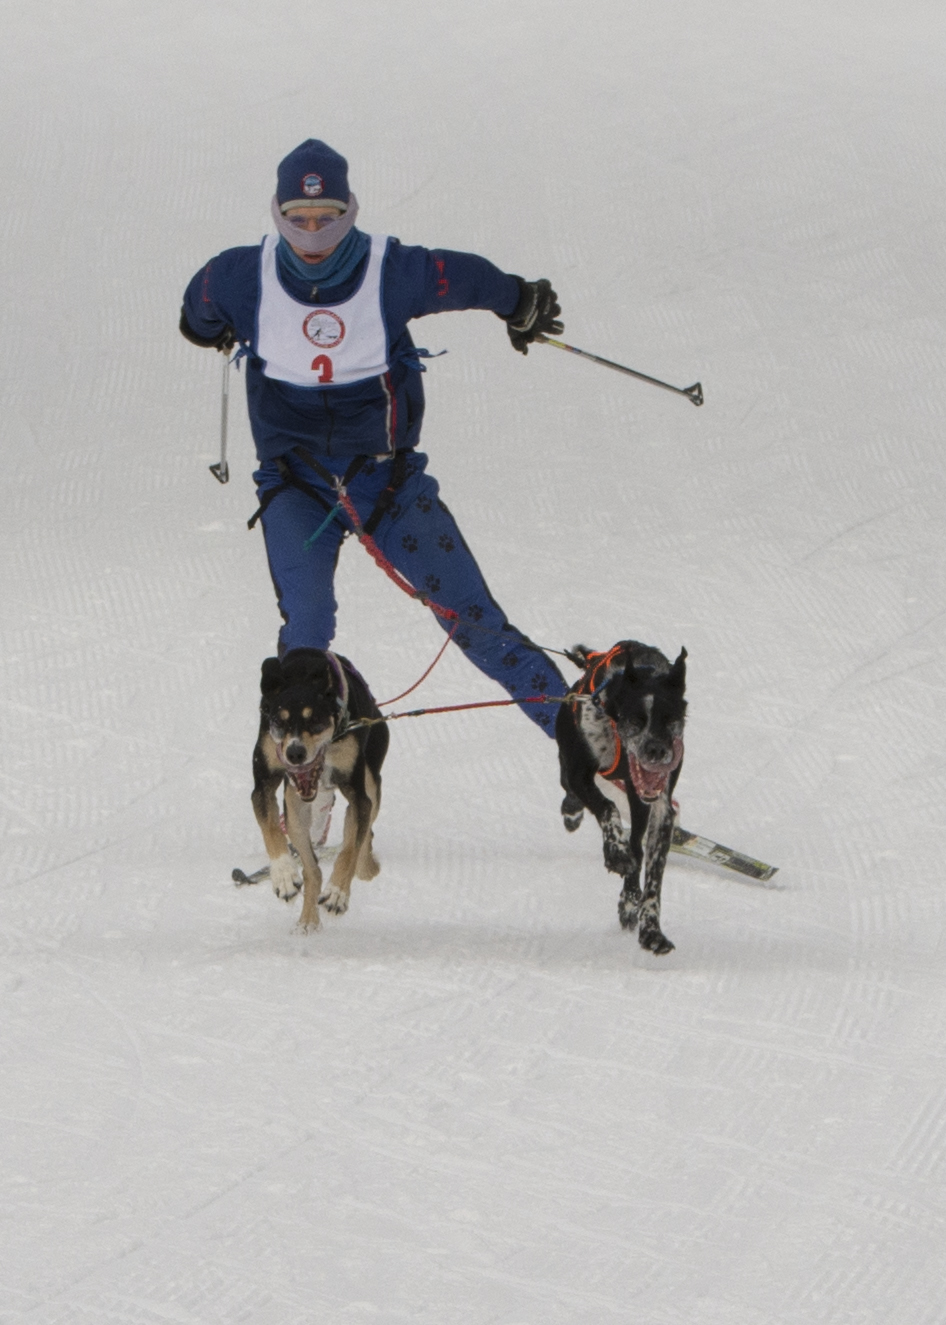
[220,470]
[693,393]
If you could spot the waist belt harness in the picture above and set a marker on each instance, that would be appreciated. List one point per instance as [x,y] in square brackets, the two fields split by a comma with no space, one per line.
[399,471]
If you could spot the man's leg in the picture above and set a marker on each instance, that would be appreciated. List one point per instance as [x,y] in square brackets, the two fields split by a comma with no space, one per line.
[303,577]
[421,539]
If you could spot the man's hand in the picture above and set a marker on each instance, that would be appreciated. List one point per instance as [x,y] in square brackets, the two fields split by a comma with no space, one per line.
[226,340]
[535,314]
[223,341]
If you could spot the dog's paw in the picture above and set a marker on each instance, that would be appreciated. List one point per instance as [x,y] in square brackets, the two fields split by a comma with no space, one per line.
[334,900]
[629,905]
[617,847]
[654,940]
[282,873]
[572,812]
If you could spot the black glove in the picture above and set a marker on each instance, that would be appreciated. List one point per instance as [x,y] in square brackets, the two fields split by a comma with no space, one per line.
[223,341]
[534,315]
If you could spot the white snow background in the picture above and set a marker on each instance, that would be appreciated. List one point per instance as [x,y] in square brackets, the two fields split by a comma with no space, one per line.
[474,1099]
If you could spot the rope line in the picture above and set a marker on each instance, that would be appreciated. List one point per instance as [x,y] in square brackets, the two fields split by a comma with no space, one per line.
[404,693]
[371,547]
[459,708]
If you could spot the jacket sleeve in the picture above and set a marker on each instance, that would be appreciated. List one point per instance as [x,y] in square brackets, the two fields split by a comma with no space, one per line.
[201,317]
[419,281]
[223,294]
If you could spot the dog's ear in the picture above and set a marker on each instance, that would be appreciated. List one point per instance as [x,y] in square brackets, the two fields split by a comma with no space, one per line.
[271,678]
[678,672]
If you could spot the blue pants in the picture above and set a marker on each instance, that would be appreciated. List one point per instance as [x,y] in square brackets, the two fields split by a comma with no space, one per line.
[420,538]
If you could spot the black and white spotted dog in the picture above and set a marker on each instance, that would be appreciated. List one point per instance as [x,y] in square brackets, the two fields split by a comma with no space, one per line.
[310,743]
[620,743]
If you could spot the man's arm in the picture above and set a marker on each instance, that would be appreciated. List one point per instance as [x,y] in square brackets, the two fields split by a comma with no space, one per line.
[220,302]
[420,281]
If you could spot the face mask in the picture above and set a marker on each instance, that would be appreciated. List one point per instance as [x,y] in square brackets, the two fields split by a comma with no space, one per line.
[316,241]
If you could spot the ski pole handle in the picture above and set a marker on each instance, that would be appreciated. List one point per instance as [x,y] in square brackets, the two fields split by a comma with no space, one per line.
[220,470]
[693,393]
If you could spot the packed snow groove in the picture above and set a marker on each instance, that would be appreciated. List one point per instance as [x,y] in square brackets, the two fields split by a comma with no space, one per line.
[473,1100]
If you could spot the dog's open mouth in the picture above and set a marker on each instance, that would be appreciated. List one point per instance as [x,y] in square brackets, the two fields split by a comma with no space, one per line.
[650,780]
[305,777]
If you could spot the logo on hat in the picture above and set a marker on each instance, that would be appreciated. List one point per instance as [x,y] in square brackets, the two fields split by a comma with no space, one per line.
[312,186]
[324,328]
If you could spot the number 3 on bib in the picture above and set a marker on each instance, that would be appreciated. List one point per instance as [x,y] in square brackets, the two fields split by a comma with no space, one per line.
[322,365]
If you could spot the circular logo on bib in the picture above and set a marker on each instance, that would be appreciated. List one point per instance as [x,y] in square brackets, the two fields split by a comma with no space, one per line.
[312,186]
[324,328]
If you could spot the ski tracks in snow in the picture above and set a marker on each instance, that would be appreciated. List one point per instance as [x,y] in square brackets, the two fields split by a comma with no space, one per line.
[473,1100]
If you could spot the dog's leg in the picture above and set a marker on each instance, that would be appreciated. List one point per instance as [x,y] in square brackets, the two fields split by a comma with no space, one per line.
[357,825]
[282,870]
[629,903]
[619,855]
[572,811]
[298,823]
[579,768]
[616,838]
[659,834]
[366,866]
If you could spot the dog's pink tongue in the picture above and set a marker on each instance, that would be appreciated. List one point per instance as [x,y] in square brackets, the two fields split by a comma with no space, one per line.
[306,779]
[649,783]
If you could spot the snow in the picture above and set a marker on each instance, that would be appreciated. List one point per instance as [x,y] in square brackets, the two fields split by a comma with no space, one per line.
[473,1100]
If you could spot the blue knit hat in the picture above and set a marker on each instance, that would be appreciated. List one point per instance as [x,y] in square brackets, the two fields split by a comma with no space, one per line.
[313,173]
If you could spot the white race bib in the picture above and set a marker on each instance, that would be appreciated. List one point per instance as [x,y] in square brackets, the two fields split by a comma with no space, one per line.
[312,346]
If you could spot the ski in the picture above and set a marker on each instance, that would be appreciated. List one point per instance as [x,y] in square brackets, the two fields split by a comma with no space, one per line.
[241,878]
[703,848]
[684,843]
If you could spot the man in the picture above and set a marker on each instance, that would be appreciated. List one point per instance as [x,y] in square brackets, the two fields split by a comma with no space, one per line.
[335,396]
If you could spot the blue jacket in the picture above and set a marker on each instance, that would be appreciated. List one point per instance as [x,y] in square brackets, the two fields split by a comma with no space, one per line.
[338,422]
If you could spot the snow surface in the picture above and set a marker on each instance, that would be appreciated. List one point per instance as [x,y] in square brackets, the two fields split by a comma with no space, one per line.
[473,1099]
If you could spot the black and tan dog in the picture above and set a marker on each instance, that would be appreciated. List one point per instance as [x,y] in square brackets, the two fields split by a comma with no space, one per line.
[310,743]
[620,743]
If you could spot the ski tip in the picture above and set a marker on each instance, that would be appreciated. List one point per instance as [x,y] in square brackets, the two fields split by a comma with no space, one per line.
[768,875]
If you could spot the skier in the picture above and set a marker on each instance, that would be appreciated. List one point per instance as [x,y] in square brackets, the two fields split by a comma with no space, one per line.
[335,395]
